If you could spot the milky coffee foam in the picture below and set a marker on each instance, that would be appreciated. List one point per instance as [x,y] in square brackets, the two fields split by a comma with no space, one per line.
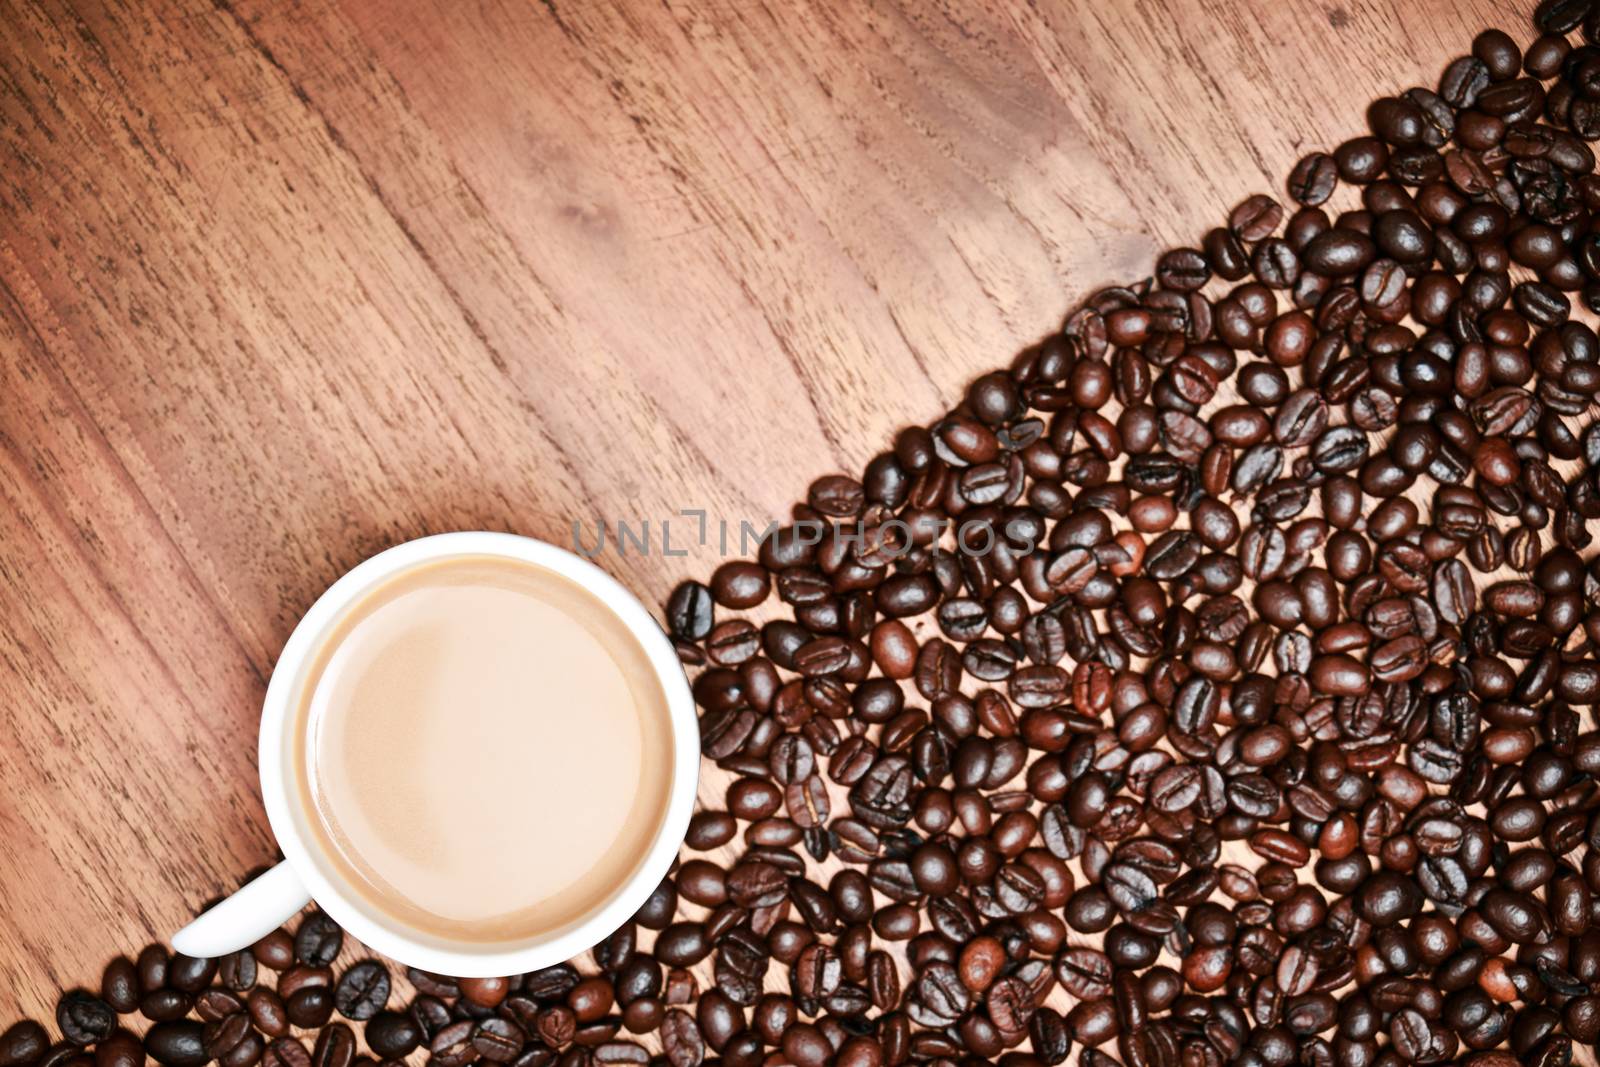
[486,750]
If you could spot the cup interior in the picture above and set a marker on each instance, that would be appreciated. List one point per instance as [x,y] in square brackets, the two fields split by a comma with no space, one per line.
[282,737]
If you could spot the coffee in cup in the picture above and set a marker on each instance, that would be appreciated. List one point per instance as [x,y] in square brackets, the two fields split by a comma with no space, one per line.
[479,755]
[487,750]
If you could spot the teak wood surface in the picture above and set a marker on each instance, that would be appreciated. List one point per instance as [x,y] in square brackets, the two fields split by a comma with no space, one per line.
[284,283]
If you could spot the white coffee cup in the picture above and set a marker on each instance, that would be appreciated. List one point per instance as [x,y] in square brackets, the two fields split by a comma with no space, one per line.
[307,873]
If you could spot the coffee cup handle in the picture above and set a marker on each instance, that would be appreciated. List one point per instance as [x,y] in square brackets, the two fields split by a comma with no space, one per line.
[258,908]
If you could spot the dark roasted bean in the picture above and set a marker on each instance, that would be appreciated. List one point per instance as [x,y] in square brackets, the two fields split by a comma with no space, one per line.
[177,1043]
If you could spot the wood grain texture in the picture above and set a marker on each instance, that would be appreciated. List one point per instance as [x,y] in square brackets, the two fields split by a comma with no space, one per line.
[283,283]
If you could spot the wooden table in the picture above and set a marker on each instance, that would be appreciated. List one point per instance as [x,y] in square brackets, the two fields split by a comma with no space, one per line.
[283,283]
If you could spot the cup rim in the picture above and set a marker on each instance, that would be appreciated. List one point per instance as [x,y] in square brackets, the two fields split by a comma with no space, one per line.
[468,960]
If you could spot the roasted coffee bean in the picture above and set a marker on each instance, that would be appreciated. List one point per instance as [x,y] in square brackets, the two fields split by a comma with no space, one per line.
[318,940]
[23,1044]
[392,1035]
[754,884]
[84,1018]
[178,1043]
[938,996]
[274,951]
[224,1034]
[310,1007]
[738,584]
[591,999]
[452,1046]
[237,971]
[284,1052]
[689,611]
[335,1047]
[246,1053]
[190,975]
[1130,889]
[267,1012]
[119,985]
[556,1026]
[432,1014]
[1313,179]
[484,992]
[363,991]
[1086,973]
[498,1040]
[1255,218]
[681,1039]
[683,944]
[300,977]
[123,1050]
[214,1003]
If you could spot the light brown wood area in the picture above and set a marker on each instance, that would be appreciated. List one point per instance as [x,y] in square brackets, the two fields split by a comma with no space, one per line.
[284,283]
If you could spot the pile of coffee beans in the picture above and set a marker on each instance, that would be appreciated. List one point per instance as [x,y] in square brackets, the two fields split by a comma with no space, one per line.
[1215,685]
